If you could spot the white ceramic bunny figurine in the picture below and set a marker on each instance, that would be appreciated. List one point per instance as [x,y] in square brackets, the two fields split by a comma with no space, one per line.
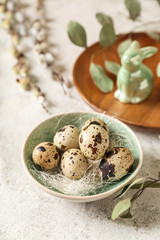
[134,79]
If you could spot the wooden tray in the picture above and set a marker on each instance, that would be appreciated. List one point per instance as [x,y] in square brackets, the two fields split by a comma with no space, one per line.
[147,113]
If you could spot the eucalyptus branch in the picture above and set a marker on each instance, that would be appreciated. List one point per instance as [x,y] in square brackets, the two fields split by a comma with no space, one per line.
[122,35]
[122,208]
[140,191]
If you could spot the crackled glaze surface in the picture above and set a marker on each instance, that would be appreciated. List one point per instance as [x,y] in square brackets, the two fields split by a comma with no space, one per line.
[134,79]
[119,135]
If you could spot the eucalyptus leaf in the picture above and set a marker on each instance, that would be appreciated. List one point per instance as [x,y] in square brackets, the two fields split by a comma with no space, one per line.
[123,46]
[103,18]
[112,67]
[152,185]
[134,8]
[154,35]
[126,215]
[127,3]
[107,35]
[101,80]
[120,208]
[77,34]
[126,188]
[158,69]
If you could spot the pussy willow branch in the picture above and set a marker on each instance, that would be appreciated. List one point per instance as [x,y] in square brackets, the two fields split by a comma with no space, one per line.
[40,95]
[55,74]
[10,24]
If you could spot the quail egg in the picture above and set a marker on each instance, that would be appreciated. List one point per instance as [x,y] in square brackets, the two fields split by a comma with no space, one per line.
[46,155]
[116,163]
[94,139]
[74,164]
[95,121]
[67,137]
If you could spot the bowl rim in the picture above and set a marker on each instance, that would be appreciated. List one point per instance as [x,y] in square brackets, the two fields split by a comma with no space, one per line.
[90,197]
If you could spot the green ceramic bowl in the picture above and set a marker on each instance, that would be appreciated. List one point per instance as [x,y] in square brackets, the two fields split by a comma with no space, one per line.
[45,132]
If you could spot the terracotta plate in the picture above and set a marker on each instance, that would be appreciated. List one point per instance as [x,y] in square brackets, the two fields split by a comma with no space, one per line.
[147,113]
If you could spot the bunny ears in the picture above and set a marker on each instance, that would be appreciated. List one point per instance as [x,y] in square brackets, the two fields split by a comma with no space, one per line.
[148,51]
[145,52]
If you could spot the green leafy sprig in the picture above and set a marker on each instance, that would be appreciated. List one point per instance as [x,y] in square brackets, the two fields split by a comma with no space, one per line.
[77,34]
[103,18]
[123,207]
[134,8]
[104,83]
[107,38]
[112,67]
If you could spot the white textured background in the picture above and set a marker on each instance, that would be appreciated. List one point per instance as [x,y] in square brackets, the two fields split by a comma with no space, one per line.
[28,213]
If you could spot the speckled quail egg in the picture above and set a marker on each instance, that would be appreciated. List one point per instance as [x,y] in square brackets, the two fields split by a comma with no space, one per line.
[94,139]
[46,155]
[95,121]
[116,163]
[67,137]
[74,164]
